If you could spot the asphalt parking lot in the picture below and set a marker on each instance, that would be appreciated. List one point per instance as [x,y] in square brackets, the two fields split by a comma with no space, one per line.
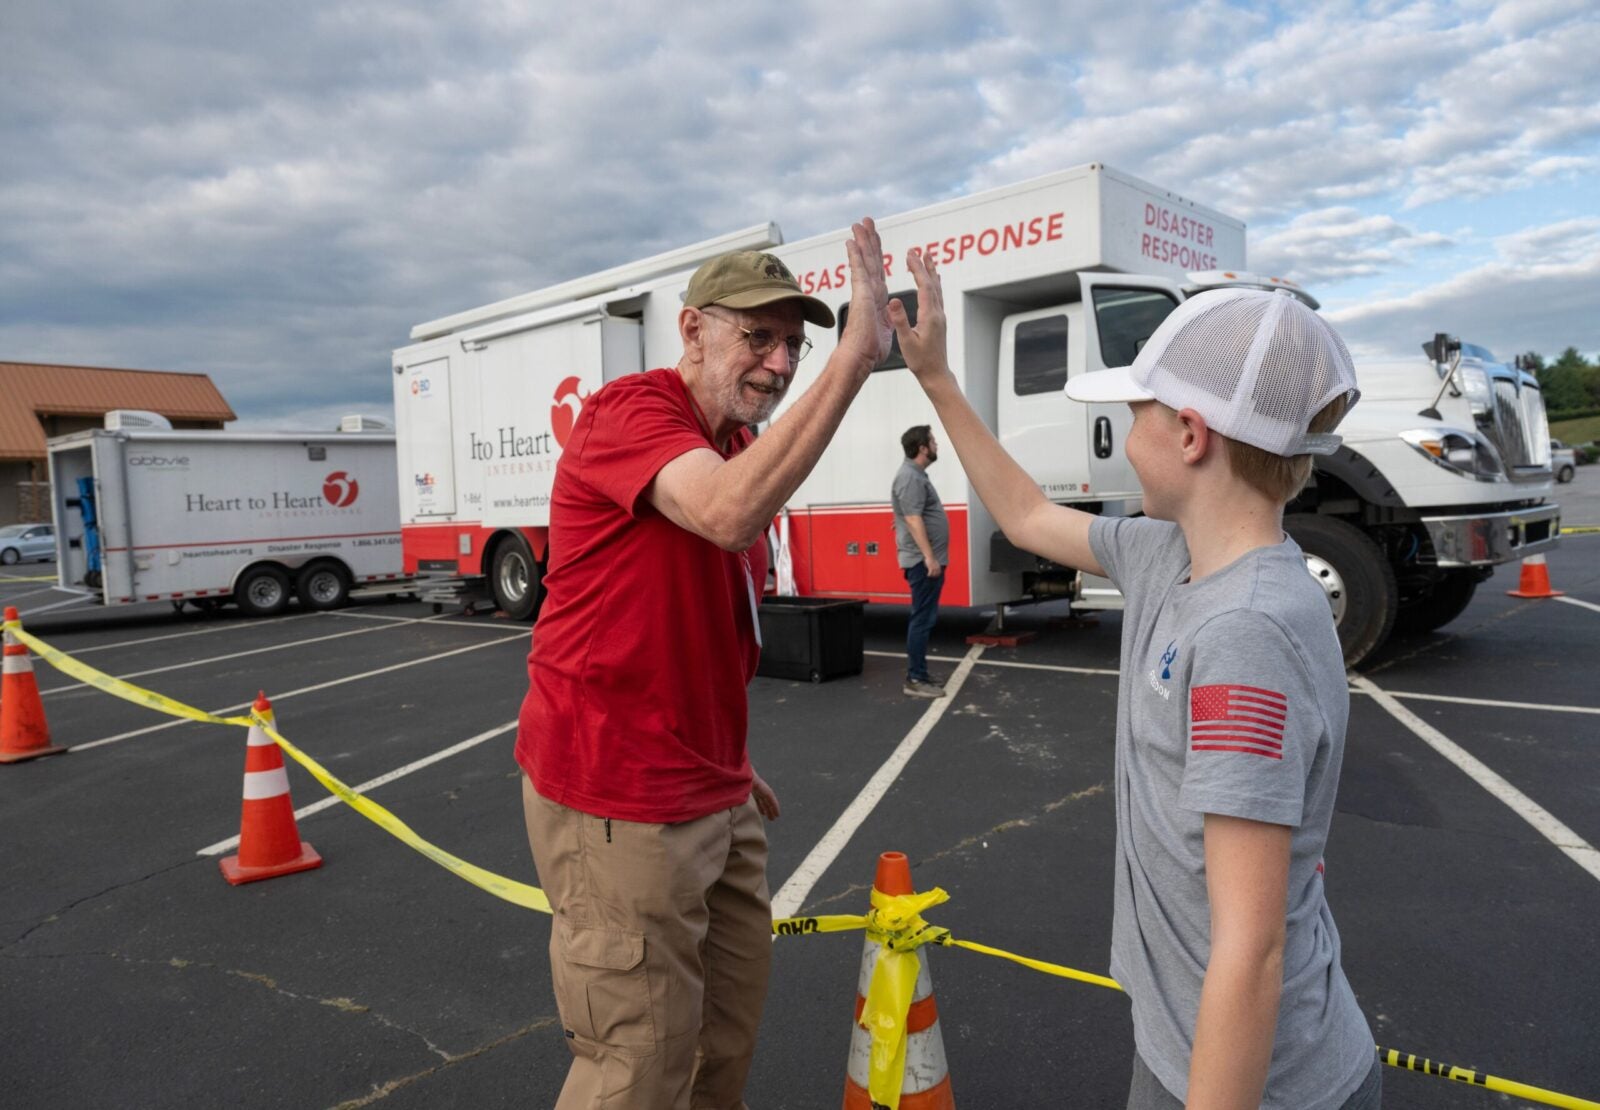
[131,974]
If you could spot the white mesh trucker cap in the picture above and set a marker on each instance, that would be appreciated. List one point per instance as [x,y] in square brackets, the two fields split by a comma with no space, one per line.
[1257,365]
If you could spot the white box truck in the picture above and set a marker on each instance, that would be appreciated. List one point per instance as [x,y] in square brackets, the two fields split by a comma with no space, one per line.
[1445,471]
[144,513]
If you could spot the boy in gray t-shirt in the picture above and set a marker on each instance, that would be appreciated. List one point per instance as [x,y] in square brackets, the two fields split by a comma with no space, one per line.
[1232,701]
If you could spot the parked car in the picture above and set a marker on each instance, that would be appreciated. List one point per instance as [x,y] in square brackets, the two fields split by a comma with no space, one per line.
[27,541]
[1563,460]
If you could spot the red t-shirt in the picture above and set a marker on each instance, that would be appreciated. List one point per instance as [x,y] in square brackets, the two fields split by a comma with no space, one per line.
[636,705]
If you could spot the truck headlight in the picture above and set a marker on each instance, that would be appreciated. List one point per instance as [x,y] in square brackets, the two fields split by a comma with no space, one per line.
[1475,387]
[1463,452]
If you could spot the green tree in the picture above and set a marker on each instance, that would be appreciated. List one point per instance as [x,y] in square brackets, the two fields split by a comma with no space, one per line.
[1570,383]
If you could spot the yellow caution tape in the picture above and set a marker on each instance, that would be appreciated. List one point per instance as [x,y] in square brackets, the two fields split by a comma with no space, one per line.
[1396,1059]
[895,921]
[115,686]
[521,894]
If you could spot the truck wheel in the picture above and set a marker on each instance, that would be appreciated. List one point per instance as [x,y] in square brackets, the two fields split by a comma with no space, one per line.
[515,579]
[1437,608]
[1565,474]
[262,592]
[323,586]
[1358,580]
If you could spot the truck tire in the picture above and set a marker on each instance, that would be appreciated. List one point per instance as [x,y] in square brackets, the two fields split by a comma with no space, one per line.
[515,579]
[1358,580]
[1441,605]
[323,585]
[1564,474]
[262,592]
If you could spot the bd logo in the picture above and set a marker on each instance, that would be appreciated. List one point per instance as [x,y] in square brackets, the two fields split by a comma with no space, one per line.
[420,386]
[564,413]
[340,489]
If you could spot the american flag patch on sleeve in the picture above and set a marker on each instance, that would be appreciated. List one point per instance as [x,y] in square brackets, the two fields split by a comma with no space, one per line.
[1237,719]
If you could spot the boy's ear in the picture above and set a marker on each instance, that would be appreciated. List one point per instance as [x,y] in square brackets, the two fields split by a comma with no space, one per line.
[1194,438]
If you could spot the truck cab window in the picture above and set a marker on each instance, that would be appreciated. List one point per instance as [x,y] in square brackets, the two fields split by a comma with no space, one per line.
[895,360]
[1041,356]
[1126,318]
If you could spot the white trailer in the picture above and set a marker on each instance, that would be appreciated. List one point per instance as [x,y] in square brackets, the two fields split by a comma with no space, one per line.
[1043,280]
[205,517]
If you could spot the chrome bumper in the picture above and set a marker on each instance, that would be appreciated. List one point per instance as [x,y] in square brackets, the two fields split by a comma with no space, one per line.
[1476,541]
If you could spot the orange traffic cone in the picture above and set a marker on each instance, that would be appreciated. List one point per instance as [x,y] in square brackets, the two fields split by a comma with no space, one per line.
[926,1083]
[1535,580]
[24,733]
[269,840]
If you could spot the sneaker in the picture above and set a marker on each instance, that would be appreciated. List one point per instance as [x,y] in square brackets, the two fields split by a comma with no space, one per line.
[923,688]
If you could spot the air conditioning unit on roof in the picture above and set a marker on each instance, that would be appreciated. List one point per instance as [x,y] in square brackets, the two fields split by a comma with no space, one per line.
[122,420]
[359,423]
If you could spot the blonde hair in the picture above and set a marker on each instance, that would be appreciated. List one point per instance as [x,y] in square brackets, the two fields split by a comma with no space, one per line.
[1277,476]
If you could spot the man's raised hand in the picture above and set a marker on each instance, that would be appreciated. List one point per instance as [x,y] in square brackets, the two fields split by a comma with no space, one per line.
[868,332]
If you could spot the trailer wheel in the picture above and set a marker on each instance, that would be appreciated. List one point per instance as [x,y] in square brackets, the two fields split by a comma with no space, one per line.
[262,592]
[1439,606]
[323,586]
[515,579]
[1358,580]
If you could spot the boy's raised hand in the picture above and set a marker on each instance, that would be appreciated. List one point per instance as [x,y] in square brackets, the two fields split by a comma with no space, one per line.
[867,333]
[923,346]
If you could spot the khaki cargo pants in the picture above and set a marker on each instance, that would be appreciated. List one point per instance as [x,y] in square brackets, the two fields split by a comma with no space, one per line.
[659,953]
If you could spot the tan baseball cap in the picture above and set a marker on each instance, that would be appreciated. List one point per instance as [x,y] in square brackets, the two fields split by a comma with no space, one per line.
[750,279]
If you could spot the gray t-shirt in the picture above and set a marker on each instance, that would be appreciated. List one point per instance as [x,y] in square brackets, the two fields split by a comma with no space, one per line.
[1232,700]
[913,495]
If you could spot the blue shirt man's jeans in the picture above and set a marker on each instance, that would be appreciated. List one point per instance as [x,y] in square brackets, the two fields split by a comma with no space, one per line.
[925,591]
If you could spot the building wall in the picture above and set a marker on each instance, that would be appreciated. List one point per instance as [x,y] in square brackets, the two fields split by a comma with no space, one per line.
[13,476]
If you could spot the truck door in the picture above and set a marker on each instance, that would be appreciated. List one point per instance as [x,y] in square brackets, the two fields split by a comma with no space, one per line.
[426,443]
[1041,428]
[1125,310]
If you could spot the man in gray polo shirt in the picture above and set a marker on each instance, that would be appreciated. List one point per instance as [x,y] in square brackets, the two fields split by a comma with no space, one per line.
[922,545]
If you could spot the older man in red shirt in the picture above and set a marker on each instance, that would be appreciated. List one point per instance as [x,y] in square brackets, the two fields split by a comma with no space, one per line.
[643,812]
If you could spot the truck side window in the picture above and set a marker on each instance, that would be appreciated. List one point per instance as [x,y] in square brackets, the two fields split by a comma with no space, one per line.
[1127,317]
[895,360]
[1040,356]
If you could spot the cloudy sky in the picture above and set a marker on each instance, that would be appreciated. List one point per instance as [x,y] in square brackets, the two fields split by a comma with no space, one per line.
[275,193]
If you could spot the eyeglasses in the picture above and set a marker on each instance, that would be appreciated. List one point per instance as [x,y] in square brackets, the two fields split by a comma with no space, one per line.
[764,340]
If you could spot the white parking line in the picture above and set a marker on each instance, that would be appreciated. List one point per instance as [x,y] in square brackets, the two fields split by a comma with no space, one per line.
[296,693]
[1584,604]
[234,626]
[1003,663]
[444,618]
[793,894]
[1524,705]
[372,784]
[232,655]
[1577,849]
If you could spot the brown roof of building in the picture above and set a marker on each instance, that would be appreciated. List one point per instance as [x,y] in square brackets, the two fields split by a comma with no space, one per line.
[29,390]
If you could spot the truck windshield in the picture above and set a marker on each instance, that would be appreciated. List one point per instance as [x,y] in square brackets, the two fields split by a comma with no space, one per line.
[1126,318]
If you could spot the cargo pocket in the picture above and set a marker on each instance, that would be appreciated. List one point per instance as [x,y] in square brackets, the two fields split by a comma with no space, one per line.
[603,989]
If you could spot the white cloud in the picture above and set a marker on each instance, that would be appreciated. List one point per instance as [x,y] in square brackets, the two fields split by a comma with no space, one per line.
[1541,293]
[1335,244]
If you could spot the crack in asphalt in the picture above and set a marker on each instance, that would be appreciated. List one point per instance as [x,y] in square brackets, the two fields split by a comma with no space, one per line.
[384,1090]
[967,842]
[178,963]
[57,914]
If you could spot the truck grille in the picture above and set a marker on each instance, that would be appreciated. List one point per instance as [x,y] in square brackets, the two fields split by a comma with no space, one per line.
[1519,428]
